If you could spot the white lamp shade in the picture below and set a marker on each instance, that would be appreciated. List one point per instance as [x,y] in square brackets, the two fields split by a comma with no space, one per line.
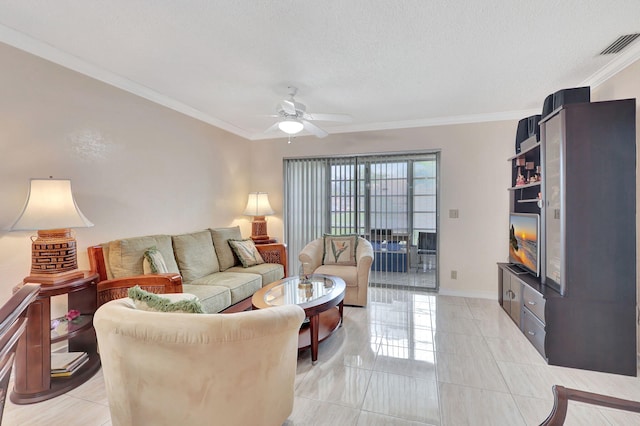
[258,205]
[291,126]
[50,205]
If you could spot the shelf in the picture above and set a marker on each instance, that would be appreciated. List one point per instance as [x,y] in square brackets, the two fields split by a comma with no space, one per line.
[61,385]
[66,330]
[532,200]
[529,185]
[522,153]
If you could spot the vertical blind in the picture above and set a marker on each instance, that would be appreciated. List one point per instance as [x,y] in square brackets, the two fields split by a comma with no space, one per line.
[305,205]
[359,194]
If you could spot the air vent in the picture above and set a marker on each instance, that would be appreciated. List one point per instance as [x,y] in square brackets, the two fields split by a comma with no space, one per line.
[620,43]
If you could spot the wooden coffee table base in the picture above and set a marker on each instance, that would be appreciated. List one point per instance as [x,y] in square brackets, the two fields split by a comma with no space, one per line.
[319,328]
[321,297]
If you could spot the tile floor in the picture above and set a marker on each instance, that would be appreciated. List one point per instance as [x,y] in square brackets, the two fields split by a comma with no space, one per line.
[422,280]
[408,359]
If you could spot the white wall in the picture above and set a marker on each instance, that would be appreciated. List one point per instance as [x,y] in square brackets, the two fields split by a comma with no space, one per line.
[136,168]
[475,176]
[139,168]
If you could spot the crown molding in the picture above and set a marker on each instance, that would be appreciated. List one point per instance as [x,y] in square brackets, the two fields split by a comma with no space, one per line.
[46,51]
[427,122]
[617,64]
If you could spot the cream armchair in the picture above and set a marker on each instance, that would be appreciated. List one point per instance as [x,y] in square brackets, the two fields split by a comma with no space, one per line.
[198,369]
[356,277]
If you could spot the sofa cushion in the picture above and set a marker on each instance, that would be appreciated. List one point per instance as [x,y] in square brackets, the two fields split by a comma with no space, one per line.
[340,249]
[348,273]
[241,285]
[246,252]
[153,262]
[270,272]
[212,298]
[220,237]
[195,255]
[175,302]
[126,255]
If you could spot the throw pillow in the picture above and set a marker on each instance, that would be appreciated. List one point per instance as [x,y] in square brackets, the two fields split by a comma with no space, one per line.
[153,262]
[146,301]
[246,251]
[340,250]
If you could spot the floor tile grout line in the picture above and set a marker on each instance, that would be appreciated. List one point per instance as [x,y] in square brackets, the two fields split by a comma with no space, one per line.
[504,379]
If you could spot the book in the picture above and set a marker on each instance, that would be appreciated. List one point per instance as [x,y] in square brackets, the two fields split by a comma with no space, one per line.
[66,361]
[72,366]
[69,372]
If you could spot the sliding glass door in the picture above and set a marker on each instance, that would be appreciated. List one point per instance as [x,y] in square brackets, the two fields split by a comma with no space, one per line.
[389,199]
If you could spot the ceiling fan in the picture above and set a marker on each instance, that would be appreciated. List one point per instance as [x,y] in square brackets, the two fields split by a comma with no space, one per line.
[293,117]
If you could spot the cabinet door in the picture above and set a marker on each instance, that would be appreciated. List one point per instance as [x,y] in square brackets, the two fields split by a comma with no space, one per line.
[516,299]
[511,295]
[554,200]
[506,291]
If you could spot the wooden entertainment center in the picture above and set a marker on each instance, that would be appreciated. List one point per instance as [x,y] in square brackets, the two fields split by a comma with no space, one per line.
[580,311]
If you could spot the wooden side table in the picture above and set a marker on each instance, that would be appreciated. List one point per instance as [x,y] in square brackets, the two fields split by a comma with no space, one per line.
[269,241]
[33,381]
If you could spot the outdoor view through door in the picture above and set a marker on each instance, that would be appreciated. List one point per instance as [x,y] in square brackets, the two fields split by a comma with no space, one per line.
[391,200]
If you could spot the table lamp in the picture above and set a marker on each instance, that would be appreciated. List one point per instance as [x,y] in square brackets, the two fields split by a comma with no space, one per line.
[258,206]
[51,210]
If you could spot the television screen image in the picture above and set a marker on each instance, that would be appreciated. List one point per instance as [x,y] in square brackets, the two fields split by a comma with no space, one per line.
[523,241]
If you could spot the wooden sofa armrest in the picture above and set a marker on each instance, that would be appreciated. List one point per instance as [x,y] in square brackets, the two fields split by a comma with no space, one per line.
[274,253]
[154,283]
[117,288]
[96,261]
[562,396]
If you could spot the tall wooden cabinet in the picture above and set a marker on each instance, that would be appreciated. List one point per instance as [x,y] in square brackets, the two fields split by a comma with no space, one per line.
[587,285]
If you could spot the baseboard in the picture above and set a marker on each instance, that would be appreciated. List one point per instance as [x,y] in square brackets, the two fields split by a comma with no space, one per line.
[491,295]
[403,287]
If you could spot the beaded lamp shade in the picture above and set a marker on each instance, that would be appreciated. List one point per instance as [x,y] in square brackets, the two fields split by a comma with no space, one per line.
[51,210]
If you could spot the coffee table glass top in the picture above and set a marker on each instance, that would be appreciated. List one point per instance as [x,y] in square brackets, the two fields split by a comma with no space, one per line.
[317,290]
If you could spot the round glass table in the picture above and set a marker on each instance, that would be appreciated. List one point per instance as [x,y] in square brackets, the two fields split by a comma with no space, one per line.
[321,297]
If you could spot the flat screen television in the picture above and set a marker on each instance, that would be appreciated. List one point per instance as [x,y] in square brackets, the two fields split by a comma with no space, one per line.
[524,242]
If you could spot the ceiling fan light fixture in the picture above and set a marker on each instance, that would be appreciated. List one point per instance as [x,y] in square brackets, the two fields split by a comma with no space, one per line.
[290,126]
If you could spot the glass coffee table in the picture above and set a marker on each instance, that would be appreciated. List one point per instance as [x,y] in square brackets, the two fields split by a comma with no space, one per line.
[321,297]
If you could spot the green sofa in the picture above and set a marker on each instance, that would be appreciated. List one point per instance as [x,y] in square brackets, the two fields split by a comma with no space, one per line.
[201,263]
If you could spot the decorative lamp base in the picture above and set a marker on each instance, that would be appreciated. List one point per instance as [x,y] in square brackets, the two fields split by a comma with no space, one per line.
[53,279]
[269,241]
[259,230]
[54,257]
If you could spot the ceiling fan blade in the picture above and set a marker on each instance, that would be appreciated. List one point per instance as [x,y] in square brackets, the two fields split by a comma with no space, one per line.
[288,107]
[313,129]
[345,118]
[272,128]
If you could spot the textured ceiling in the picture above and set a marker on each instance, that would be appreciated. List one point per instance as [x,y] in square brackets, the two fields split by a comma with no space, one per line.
[389,64]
